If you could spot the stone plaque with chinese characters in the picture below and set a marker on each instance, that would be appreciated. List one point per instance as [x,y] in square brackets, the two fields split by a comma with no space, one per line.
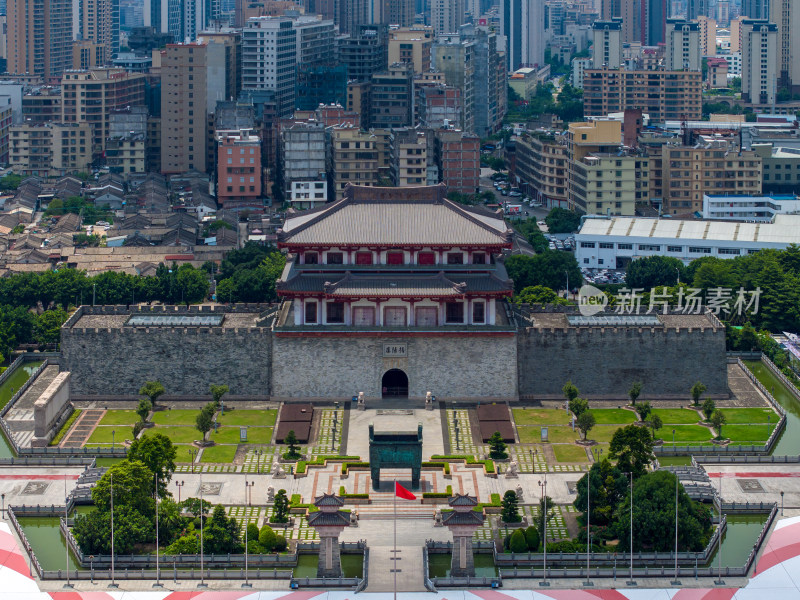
[395,350]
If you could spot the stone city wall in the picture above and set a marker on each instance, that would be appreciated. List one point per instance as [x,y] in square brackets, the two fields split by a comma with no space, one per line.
[603,362]
[50,405]
[450,366]
[117,361]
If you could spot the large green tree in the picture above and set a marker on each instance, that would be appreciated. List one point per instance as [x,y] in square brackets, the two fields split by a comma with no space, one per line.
[550,269]
[654,516]
[133,486]
[561,220]
[632,447]
[654,271]
[608,485]
[158,453]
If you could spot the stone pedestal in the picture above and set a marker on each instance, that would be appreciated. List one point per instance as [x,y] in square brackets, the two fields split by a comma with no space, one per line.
[329,523]
[463,522]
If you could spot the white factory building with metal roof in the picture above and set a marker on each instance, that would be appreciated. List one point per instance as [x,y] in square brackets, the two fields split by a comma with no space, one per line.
[611,243]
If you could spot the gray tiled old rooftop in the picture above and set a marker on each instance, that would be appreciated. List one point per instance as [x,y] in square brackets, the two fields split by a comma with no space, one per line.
[231,320]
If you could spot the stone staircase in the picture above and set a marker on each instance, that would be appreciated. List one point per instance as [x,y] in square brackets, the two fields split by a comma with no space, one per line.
[20,417]
[408,564]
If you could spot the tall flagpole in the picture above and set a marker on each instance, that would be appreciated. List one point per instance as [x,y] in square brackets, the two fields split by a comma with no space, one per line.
[66,527]
[158,573]
[394,553]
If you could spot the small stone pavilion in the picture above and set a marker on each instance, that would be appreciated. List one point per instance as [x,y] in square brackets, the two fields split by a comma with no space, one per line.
[329,523]
[462,523]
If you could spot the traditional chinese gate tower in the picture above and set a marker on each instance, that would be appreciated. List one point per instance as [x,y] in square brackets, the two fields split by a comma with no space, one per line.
[329,523]
[462,523]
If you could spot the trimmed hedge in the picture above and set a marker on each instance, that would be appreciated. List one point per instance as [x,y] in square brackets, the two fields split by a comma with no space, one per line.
[445,494]
[351,465]
[438,465]
[302,465]
[345,495]
[65,427]
[467,458]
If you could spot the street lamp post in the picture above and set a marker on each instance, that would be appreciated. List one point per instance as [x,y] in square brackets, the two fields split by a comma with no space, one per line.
[588,520]
[113,434]
[543,486]
[66,529]
[246,583]
[179,484]
[3,509]
[675,581]
[113,582]
[631,581]
[719,547]
[781,502]
[158,582]
[248,486]
[202,514]
[91,567]
[673,437]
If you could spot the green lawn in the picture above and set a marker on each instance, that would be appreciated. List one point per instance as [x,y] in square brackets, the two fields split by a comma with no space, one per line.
[119,417]
[540,416]
[562,434]
[750,415]
[685,434]
[219,454]
[676,416]
[569,453]
[601,433]
[179,435]
[746,434]
[103,435]
[176,417]
[614,416]
[230,435]
[674,461]
[239,417]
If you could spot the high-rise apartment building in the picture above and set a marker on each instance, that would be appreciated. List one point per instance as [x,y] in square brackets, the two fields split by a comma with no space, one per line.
[664,95]
[759,62]
[392,97]
[696,8]
[396,12]
[455,57]
[351,14]
[682,175]
[411,151]
[447,15]
[458,160]
[755,9]
[683,46]
[631,15]
[542,166]
[607,47]
[269,59]
[50,150]
[365,52]
[413,46]
[315,40]
[654,19]
[39,38]
[522,24]
[91,97]
[238,169]
[192,80]
[303,163]
[353,158]
[708,36]
[786,15]
[99,23]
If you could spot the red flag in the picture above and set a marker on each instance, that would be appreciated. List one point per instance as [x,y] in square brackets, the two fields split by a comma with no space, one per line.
[402,492]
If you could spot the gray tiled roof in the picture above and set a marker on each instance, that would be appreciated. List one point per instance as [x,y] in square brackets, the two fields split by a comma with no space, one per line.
[328,519]
[396,222]
[391,284]
[469,517]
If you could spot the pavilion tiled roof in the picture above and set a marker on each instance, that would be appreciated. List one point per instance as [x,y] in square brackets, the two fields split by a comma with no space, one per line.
[405,217]
[394,285]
